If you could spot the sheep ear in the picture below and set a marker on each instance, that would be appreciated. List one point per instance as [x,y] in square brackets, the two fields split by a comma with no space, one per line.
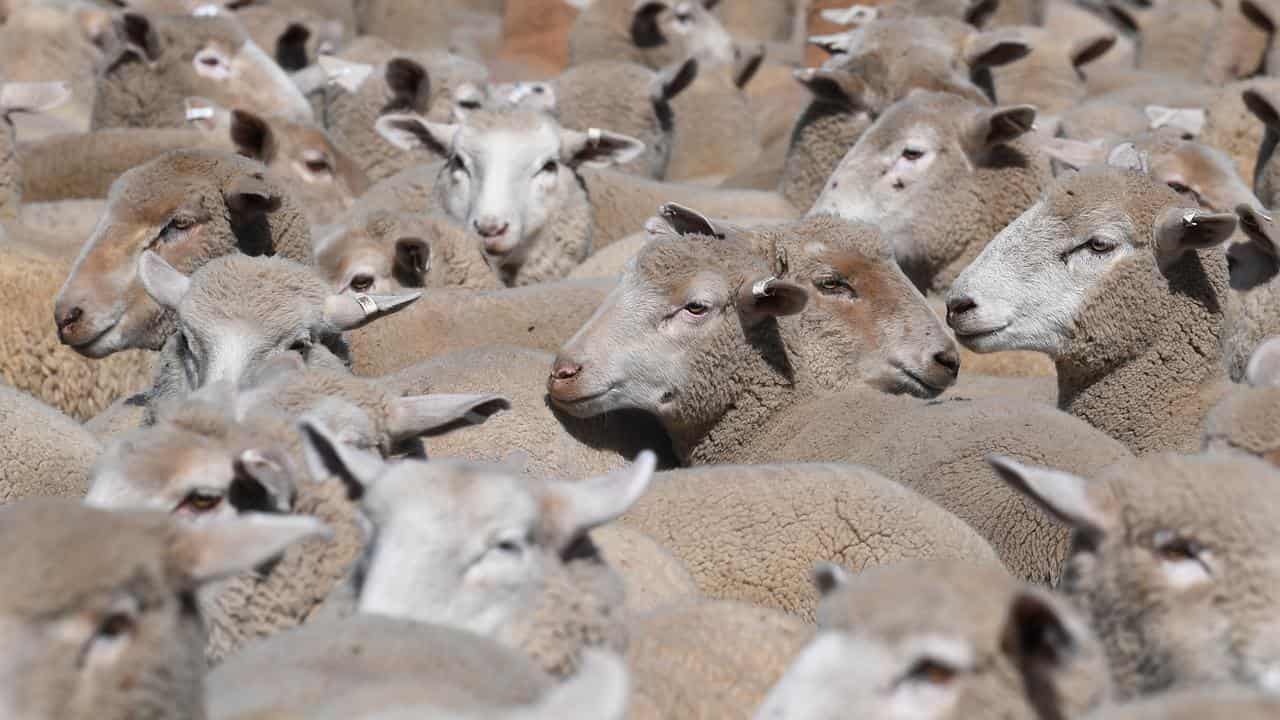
[347,75]
[252,136]
[162,282]
[674,79]
[1189,120]
[1263,107]
[1263,15]
[409,131]
[220,548]
[1087,49]
[1263,369]
[137,37]
[1002,125]
[432,415]
[1126,15]
[1064,496]
[1182,230]
[32,97]
[995,48]
[1074,153]
[573,508]
[597,148]
[291,47]
[413,258]
[350,311]
[1260,228]
[1127,156]
[409,83]
[833,86]
[748,64]
[687,221]
[326,456]
[645,31]
[249,196]
[1037,636]
[853,15]
[829,577]
[980,11]
[835,44]
[772,297]
[263,481]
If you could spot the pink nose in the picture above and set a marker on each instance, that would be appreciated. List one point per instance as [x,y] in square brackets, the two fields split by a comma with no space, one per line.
[491,228]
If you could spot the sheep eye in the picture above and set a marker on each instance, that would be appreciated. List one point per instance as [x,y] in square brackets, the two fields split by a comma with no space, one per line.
[455,165]
[362,283]
[696,308]
[200,501]
[912,154]
[931,672]
[509,546]
[210,61]
[301,345]
[1179,187]
[1174,548]
[551,167]
[115,625]
[1098,246]
[833,286]
[318,166]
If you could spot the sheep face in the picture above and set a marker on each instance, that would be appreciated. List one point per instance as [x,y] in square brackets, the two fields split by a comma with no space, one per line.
[189,207]
[237,313]
[1174,560]
[467,545]
[923,153]
[667,31]
[509,173]
[688,313]
[111,629]
[207,56]
[912,640]
[1099,240]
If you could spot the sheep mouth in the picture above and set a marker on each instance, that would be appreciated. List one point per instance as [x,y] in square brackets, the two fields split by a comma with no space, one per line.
[915,384]
[93,347]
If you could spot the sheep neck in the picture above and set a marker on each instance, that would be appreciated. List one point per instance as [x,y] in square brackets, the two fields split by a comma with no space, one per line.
[1149,390]
[10,173]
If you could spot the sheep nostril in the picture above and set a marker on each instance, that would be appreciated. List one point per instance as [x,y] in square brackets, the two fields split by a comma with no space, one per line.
[950,360]
[960,305]
[70,318]
[565,370]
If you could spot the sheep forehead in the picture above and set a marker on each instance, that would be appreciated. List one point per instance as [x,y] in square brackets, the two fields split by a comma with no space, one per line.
[164,462]
[828,235]
[474,498]
[265,292]
[1104,194]
[152,190]
[921,598]
[191,31]
[57,553]
[674,263]
[935,115]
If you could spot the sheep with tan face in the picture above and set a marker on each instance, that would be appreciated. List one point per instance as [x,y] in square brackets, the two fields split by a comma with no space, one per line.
[512,178]
[189,206]
[1113,276]
[654,33]
[940,639]
[1173,559]
[940,175]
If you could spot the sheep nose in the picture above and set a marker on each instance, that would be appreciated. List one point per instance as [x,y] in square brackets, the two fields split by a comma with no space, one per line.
[491,228]
[565,370]
[69,318]
[959,306]
[950,360]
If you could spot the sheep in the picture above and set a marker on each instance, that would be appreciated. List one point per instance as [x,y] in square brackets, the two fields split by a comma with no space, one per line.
[44,453]
[236,313]
[540,317]
[1263,103]
[1109,236]
[156,61]
[654,33]
[738,384]
[97,606]
[380,80]
[535,38]
[651,576]
[43,43]
[941,639]
[865,77]
[1052,77]
[704,660]
[429,563]
[431,25]
[294,36]
[1170,561]
[611,259]
[1221,702]
[940,175]
[16,98]
[751,533]
[32,359]
[1217,42]
[1244,420]
[387,669]
[381,252]
[717,133]
[193,205]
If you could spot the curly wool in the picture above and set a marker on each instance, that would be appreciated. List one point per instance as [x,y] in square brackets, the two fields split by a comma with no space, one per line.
[651,575]
[716,134]
[618,95]
[44,453]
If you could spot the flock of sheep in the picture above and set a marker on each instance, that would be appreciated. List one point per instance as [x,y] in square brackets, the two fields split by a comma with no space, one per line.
[687,359]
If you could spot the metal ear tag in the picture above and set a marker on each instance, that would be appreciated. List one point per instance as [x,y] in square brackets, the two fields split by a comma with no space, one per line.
[761,287]
[366,303]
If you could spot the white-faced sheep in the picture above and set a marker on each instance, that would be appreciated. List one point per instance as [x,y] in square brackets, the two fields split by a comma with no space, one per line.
[153,62]
[380,252]
[940,175]
[1172,561]
[190,206]
[1105,238]
[941,640]
[16,98]
[509,566]
[654,33]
